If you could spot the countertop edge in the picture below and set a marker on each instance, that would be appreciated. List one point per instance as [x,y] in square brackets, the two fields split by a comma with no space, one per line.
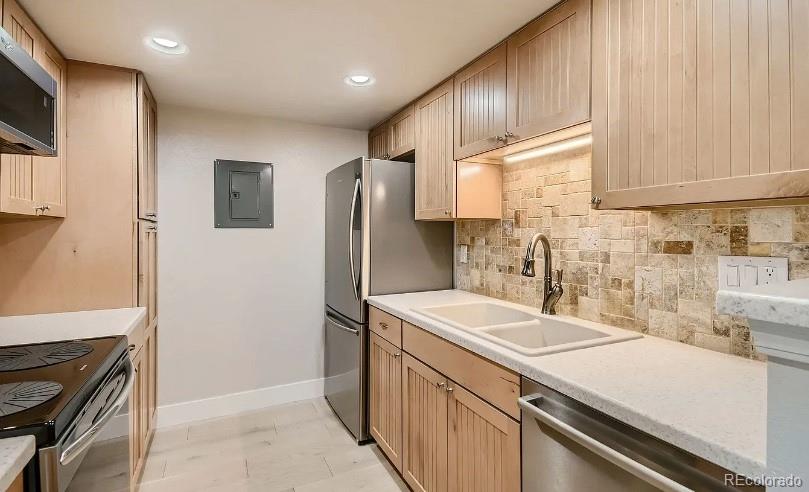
[694,444]
[11,464]
[764,307]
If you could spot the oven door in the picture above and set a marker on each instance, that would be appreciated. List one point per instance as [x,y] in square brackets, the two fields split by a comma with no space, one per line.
[59,463]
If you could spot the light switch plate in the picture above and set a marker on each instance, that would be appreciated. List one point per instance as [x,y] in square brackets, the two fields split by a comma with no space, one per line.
[741,272]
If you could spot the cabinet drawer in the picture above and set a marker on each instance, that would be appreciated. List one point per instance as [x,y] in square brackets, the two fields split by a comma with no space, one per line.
[386,325]
[495,384]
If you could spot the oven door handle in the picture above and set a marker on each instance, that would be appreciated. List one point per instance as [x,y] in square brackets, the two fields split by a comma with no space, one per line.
[529,405]
[81,443]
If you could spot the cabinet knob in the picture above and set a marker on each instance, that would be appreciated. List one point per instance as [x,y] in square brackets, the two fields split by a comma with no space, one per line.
[131,347]
[397,355]
[446,212]
[151,214]
[595,201]
[383,325]
[510,135]
[442,384]
[500,138]
[449,390]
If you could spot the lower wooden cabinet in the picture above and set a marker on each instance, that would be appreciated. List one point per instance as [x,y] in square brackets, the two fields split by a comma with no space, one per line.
[386,398]
[424,423]
[142,402]
[483,445]
[137,445]
[437,433]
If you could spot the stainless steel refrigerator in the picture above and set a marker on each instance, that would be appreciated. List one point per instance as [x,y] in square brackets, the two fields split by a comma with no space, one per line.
[374,246]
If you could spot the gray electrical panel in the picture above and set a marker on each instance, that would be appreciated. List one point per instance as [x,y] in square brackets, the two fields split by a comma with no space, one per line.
[243,194]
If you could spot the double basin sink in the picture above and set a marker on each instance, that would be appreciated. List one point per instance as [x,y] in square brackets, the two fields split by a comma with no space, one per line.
[522,331]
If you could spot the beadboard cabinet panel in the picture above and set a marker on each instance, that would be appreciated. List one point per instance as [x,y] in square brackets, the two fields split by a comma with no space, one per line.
[435,167]
[480,104]
[549,72]
[385,387]
[379,142]
[483,445]
[401,133]
[424,424]
[33,185]
[699,101]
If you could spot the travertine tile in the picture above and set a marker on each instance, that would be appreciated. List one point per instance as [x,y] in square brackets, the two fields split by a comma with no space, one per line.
[672,255]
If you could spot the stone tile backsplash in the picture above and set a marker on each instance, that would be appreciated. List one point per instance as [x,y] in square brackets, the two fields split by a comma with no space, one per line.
[655,272]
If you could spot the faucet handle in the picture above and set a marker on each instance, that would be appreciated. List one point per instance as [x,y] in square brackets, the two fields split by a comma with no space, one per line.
[558,275]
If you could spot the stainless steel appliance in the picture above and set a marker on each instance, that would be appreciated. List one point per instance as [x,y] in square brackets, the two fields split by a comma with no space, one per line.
[63,393]
[568,446]
[374,246]
[27,102]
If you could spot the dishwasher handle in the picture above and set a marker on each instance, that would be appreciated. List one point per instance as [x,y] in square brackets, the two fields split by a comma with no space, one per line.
[529,404]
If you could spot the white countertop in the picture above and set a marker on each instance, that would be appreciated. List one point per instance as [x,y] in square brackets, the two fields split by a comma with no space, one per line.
[39,328]
[15,453]
[786,303]
[710,404]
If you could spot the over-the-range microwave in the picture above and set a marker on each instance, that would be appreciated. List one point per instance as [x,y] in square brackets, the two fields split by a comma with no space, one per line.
[27,102]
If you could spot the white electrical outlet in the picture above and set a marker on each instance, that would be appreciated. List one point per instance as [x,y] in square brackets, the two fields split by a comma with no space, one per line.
[740,272]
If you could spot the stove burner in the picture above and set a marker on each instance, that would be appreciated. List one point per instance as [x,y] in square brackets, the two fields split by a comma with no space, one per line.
[46,354]
[16,397]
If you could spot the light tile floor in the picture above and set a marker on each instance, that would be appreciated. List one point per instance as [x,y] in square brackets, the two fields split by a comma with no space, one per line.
[299,446]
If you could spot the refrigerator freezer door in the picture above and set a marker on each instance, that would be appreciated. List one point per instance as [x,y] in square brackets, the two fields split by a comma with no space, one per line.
[344,240]
[406,255]
[345,385]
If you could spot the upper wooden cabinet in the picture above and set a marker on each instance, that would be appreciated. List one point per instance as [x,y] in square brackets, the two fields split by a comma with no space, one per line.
[435,167]
[147,269]
[379,142]
[401,133]
[549,72]
[698,102]
[480,105]
[36,185]
[147,152]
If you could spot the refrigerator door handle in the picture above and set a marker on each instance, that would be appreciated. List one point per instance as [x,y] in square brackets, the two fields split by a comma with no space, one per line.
[354,281]
[341,326]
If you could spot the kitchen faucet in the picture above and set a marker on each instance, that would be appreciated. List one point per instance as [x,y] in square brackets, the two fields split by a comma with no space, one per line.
[551,291]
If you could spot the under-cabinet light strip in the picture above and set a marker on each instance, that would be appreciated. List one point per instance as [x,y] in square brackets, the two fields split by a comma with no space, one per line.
[554,148]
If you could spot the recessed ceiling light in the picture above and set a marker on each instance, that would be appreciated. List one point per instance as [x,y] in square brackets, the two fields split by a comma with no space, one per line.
[166,45]
[359,80]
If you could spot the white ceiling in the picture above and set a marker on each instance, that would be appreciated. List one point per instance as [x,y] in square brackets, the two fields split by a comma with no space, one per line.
[286,58]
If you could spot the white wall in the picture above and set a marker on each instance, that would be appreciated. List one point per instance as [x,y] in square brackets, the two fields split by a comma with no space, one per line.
[241,309]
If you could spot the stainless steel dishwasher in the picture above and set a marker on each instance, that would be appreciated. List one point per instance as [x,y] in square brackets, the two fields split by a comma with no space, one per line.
[570,447]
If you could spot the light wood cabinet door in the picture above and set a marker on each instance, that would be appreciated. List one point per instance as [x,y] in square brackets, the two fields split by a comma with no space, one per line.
[386,398]
[435,167]
[147,152]
[36,185]
[483,446]
[151,396]
[17,171]
[480,104]
[549,72]
[136,419]
[424,424]
[700,101]
[401,132]
[147,269]
[379,142]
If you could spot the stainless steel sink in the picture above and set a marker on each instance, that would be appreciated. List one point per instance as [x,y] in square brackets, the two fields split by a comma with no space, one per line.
[523,331]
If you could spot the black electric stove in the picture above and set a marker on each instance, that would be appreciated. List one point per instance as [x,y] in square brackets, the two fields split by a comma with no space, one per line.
[59,392]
